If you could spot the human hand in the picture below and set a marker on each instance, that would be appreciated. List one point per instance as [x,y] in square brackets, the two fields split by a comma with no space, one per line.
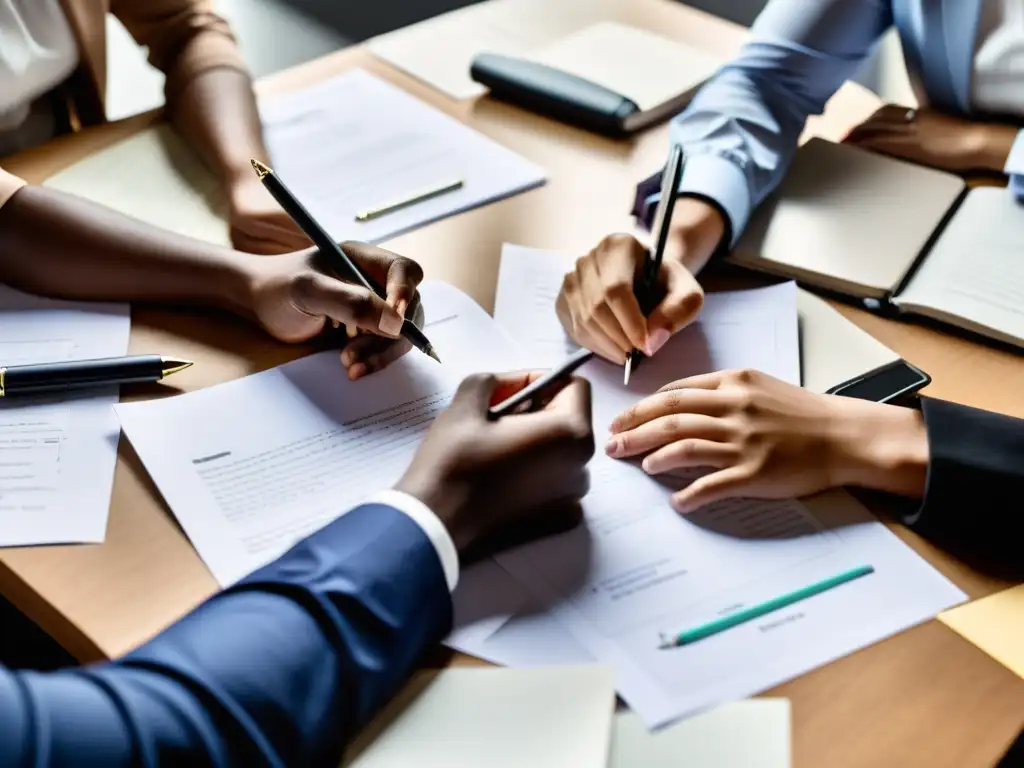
[931,138]
[498,482]
[597,304]
[257,223]
[764,438]
[293,296]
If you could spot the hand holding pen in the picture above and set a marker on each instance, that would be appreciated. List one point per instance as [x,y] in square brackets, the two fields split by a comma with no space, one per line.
[599,305]
[343,264]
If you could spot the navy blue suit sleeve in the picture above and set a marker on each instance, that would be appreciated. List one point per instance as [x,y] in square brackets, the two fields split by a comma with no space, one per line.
[277,670]
[975,483]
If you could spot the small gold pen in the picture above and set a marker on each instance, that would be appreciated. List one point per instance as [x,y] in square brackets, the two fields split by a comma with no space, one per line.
[413,199]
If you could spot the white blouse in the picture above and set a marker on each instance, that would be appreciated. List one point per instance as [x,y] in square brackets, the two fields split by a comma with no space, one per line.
[37,52]
[998,86]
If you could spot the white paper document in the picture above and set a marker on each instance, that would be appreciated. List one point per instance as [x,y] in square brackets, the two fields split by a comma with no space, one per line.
[272,457]
[636,569]
[57,453]
[736,329]
[344,146]
[376,144]
[500,718]
[743,734]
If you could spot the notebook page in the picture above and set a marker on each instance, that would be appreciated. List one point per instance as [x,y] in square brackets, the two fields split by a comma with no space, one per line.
[440,50]
[974,276]
[847,220]
[554,717]
[153,177]
[642,66]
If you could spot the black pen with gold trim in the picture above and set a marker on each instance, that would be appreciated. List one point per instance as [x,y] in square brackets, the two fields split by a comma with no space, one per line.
[46,378]
[647,282]
[340,263]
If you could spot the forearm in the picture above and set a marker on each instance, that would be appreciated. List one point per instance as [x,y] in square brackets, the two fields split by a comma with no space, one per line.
[59,245]
[279,670]
[217,115]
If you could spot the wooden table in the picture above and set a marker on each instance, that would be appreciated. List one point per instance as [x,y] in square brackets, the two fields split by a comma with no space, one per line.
[925,697]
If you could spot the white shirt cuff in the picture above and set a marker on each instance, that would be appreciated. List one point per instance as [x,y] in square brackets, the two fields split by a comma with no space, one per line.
[1015,160]
[431,525]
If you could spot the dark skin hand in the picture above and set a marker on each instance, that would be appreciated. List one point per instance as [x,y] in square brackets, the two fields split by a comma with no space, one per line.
[217,115]
[83,251]
[935,139]
[502,482]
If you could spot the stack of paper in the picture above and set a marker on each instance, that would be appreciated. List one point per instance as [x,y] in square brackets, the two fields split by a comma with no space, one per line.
[57,454]
[344,146]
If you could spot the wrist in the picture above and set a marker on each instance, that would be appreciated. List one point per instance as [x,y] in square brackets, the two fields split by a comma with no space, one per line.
[881,447]
[236,282]
[445,500]
[696,232]
[990,145]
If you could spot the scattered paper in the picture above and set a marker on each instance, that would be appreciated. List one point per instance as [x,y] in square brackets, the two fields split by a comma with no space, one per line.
[245,488]
[57,453]
[636,569]
[374,145]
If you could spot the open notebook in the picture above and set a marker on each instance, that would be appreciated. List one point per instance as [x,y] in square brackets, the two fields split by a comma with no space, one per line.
[900,236]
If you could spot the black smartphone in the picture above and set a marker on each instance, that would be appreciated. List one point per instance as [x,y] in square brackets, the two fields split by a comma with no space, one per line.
[886,384]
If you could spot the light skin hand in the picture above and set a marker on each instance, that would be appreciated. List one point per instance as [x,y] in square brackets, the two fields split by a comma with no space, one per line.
[935,139]
[597,304]
[764,438]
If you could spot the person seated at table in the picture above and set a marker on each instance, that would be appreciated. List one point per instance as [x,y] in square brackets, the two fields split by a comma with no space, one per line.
[52,80]
[740,133]
[760,437]
[283,668]
[52,244]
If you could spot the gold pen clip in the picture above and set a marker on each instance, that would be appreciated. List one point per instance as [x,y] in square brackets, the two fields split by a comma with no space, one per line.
[413,199]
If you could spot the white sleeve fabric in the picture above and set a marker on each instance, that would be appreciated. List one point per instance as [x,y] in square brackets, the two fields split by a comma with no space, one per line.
[432,526]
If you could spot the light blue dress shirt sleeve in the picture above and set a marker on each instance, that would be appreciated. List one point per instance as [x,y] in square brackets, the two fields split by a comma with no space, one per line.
[1015,167]
[741,130]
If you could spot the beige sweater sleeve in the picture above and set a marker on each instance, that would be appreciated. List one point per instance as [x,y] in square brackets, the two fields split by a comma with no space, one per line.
[185,38]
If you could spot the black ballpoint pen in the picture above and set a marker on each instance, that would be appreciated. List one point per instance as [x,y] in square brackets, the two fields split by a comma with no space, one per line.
[647,285]
[340,263]
[532,392]
[43,378]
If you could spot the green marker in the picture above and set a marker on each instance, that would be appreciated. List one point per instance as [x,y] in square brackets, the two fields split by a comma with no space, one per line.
[691,636]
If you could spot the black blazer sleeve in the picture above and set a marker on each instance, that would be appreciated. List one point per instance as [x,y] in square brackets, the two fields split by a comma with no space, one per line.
[974,497]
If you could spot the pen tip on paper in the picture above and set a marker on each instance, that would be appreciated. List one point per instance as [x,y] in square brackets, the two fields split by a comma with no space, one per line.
[666,641]
[260,168]
[629,370]
[430,351]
